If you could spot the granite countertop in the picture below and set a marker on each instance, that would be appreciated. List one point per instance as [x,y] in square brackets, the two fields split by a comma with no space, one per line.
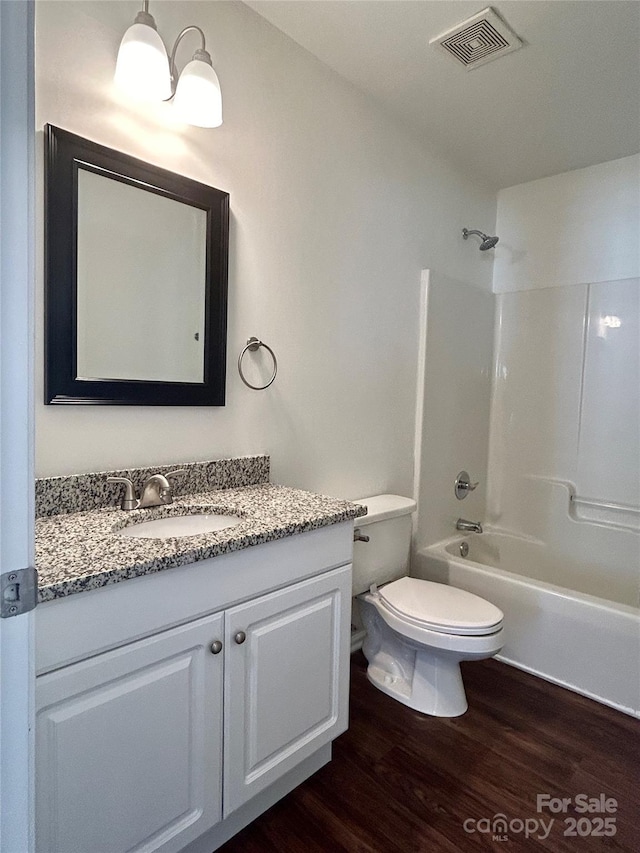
[79,551]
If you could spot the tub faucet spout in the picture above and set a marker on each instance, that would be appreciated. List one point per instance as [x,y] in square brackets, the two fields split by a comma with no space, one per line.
[468,526]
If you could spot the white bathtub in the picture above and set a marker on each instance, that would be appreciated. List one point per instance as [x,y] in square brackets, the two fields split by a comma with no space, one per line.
[586,640]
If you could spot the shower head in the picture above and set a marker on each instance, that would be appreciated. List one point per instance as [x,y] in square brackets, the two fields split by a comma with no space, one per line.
[487,242]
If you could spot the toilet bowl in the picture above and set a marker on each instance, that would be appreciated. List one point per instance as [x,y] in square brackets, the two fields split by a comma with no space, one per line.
[418,631]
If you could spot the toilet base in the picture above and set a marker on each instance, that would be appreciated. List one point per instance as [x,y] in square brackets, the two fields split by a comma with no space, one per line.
[423,677]
[435,687]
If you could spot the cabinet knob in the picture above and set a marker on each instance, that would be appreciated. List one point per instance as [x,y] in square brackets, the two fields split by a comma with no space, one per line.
[216,647]
[240,637]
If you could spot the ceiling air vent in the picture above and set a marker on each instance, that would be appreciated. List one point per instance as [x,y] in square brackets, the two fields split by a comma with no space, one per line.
[479,39]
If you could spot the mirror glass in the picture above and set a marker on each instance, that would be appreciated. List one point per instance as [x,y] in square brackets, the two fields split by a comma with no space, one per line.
[141,284]
[136,280]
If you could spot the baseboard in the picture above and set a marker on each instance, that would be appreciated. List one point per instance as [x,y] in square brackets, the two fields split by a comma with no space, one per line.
[357,639]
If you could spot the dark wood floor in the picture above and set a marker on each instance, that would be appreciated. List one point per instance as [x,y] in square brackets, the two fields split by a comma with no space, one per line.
[400,781]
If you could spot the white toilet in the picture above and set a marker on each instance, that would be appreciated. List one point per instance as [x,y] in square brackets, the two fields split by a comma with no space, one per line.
[417,631]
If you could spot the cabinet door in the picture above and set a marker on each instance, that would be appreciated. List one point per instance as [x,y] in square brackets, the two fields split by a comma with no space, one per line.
[129,746]
[287,683]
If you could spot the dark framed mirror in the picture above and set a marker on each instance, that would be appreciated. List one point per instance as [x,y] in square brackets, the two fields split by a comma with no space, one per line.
[136,267]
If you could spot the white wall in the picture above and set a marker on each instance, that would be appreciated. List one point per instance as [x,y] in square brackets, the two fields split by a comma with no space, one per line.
[453,431]
[573,228]
[565,414]
[335,210]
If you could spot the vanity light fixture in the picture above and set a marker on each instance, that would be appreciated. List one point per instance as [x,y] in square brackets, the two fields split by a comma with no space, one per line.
[146,71]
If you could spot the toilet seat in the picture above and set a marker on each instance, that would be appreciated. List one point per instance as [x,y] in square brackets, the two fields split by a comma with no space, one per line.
[478,645]
[440,608]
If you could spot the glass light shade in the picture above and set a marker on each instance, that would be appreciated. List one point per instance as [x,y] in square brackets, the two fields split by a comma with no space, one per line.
[198,97]
[142,68]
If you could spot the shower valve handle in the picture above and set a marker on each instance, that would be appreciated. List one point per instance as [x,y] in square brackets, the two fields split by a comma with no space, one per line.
[463,485]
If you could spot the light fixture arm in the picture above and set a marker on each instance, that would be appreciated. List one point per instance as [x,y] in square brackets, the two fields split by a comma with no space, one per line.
[201,54]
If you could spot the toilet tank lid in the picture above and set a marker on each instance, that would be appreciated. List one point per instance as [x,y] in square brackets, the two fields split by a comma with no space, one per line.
[381,507]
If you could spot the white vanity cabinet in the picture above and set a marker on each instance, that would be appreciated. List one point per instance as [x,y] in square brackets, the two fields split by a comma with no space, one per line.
[286,682]
[129,745]
[186,733]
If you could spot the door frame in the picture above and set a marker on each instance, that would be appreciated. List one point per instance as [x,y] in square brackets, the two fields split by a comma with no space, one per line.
[17,301]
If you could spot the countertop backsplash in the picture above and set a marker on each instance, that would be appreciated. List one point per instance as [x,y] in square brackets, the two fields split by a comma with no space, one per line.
[84,492]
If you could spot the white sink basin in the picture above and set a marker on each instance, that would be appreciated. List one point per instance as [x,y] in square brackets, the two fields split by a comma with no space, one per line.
[179,525]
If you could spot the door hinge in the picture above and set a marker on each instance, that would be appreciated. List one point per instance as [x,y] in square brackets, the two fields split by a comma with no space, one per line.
[18,592]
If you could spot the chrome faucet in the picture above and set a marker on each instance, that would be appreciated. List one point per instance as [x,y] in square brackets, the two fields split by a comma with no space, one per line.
[156,490]
[468,526]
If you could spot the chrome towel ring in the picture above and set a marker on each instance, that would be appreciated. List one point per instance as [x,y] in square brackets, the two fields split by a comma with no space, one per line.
[254,344]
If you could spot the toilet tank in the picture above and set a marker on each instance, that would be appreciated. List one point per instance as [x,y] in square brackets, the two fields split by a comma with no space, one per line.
[385,556]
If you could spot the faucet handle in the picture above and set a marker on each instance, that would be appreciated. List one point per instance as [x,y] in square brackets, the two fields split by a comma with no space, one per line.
[463,485]
[174,475]
[129,501]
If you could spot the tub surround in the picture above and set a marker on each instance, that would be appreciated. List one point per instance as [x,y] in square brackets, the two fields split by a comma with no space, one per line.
[79,550]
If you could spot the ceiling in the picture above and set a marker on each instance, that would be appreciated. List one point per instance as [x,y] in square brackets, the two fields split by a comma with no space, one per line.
[570,98]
